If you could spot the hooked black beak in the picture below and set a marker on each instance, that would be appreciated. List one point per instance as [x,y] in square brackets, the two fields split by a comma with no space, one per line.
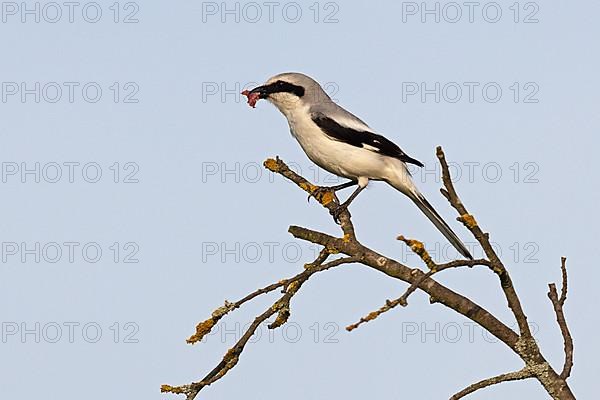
[262,92]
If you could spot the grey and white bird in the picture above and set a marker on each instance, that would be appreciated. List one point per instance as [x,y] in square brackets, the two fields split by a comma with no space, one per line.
[343,144]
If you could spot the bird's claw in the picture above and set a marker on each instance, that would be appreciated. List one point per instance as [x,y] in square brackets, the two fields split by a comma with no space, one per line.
[337,211]
[318,194]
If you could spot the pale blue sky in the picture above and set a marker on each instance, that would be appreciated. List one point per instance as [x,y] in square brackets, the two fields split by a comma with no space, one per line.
[181,194]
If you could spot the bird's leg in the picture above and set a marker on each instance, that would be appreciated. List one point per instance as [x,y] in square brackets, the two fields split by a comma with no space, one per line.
[339,209]
[321,190]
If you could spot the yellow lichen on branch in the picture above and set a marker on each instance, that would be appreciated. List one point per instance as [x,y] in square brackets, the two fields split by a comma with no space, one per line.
[468,220]
[204,327]
[371,316]
[331,249]
[327,197]
[172,389]
[282,318]
[230,359]
[294,286]
[374,314]
[308,187]
[271,164]
[419,248]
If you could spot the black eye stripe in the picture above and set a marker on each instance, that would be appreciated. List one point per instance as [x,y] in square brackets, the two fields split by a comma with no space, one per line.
[285,87]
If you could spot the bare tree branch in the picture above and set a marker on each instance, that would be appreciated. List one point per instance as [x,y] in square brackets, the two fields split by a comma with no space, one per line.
[511,376]
[521,343]
[558,304]
[434,268]
[281,307]
[395,269]
[497,266]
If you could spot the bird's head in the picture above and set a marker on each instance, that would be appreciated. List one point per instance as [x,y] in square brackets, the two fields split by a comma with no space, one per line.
[288,92]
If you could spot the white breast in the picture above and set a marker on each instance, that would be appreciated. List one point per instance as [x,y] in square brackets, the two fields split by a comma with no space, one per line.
[334,156]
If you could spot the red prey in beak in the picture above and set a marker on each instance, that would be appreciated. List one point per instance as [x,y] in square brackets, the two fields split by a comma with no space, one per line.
[254,95]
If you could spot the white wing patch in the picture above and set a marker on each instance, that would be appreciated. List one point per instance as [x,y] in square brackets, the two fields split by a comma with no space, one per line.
[368,147]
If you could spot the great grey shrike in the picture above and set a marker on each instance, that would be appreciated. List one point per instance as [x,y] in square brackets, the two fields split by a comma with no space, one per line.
[344,145]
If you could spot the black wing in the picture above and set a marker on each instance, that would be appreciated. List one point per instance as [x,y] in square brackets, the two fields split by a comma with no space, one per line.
[375,142]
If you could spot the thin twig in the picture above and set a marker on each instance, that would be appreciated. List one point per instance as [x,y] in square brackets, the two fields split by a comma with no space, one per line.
[483,238]
[558,304]
[563,290]
[203,328]
[524,373]
[402,300]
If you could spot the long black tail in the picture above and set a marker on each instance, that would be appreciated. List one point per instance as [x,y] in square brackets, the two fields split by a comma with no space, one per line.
[439,223]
